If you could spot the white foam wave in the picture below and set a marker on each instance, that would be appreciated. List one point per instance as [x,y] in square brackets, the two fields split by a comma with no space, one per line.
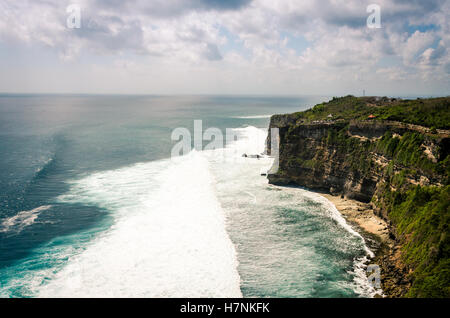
[363,285]
[43,165]
[251,139]
[22,219]
[168,239]
[337,216]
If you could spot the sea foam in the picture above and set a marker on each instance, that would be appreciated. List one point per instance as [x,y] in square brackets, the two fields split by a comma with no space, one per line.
[168,238]
[22,219]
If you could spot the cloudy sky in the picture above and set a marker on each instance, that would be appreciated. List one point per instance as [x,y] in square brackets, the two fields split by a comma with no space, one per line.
[226,47]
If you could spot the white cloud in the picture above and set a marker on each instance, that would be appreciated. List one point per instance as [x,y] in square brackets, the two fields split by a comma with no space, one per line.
[416,44]
[242,46]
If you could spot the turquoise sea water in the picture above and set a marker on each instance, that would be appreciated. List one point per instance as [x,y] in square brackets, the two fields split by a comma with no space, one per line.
[92,205]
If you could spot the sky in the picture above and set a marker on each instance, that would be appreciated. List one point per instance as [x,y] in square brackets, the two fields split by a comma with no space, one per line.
[261,47]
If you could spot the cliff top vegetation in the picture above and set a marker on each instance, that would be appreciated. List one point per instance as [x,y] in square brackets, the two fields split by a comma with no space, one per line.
[433,113]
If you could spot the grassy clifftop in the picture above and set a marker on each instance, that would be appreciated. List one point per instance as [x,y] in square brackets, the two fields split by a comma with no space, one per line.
[430,112]
[393,153]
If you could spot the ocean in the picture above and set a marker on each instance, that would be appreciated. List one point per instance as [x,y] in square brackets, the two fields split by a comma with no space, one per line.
[93,205]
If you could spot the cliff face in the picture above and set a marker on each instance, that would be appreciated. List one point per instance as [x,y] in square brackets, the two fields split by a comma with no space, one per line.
[395,166]
[309,157]
[307,160]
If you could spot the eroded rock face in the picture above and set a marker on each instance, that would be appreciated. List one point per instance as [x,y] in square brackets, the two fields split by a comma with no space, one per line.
[308,158]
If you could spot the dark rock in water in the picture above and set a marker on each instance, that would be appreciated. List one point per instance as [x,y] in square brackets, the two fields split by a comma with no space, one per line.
[333,191]
[256,156]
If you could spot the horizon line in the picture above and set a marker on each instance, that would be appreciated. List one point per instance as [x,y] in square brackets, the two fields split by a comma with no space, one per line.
[2,94]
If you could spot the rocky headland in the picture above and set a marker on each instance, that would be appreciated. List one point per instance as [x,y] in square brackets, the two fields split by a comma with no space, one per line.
[384,163]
